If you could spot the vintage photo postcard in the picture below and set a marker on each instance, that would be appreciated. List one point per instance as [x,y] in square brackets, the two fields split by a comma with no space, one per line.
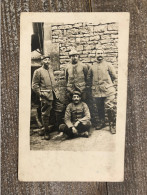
[72,96]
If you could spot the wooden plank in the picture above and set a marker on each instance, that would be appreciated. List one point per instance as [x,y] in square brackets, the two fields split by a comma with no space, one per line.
[10,93]
[135,158]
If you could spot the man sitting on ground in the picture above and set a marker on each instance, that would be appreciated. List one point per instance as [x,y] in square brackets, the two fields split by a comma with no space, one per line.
[77,118]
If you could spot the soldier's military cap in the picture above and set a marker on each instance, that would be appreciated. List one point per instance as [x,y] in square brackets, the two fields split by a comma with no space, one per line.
[73,52]
[45,56]
[77,93]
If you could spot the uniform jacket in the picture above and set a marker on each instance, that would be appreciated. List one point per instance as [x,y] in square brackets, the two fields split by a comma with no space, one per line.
[76,113]
[101,78]
[43,83]
[76,76]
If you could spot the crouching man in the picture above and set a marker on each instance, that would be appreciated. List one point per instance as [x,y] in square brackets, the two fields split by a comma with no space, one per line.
[77,118]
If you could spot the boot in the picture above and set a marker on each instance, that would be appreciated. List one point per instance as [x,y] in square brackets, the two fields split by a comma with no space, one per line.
[41,131]
[112,121]
[113,128]
[85,134]
[101,125]
[38,121]
[46,134]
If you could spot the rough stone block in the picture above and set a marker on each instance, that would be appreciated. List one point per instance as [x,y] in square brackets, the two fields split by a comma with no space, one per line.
[87,35]
[99,45]
[72,40]
[75,31]
[68,26]
[62,48]
[93,51]
[85,39]
[93,47]
[86,60]
[62,40]
[84,31]
[105,36]
[105,41]
[77,25]
[111,50]
[83,56]
[111,59]
[64,53]
[53,40]
[93,60]
[64,32]
[108,54]
[92,38]
[110,32]
[55,37]
[64,61]
[87,47]
[78,40]
[80,52]
[111,45]
[86,51]
[80,47]
[61,27]
[90,29]
[114,36]
[96,37]
[53,27]
[56,32]
[100,28]
[92,55]
[112,27]
[78,36]
[64,57]
[72,32]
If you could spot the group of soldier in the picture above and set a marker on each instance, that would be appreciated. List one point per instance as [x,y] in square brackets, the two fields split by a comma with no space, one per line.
[99,79]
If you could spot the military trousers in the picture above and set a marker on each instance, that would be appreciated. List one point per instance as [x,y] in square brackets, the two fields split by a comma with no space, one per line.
[46,107]
[80,128]
[106,105]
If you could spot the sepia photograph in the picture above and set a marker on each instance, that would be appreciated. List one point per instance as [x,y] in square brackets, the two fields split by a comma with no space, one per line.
[73,91]
[74,70]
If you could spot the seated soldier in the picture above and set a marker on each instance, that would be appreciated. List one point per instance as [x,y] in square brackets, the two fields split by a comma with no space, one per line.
[77,118]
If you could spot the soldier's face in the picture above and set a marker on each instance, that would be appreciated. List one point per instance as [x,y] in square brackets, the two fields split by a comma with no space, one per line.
[47,62]
[99,55]
[74,59]
[76,99]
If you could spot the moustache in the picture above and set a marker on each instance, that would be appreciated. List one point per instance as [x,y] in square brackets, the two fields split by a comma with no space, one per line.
[100,58]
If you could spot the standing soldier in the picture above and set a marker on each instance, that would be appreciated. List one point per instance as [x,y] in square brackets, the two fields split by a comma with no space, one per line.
[76,75]
[43,84]
[102,79]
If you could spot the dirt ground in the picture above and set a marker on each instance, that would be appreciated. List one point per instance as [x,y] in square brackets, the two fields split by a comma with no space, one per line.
[99,140]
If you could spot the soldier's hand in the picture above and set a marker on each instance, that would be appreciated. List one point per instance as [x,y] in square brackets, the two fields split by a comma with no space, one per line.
[57,93]
[74,130]
[77,123]
[41,94]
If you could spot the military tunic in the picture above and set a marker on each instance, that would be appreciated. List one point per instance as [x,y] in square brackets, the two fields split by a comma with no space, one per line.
[101,77]
[76,76]
[43,84]
[76,113]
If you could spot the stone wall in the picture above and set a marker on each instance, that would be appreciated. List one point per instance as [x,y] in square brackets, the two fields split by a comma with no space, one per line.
[86,38]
